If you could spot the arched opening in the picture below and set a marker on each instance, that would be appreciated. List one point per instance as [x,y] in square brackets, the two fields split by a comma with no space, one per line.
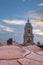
[29,40]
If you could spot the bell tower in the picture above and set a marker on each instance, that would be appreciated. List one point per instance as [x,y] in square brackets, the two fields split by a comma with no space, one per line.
[28,35]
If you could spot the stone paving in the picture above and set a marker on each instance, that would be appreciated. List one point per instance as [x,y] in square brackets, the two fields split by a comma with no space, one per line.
[24,55]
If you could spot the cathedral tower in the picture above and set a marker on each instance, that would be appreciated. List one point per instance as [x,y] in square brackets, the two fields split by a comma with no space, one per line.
[28,36]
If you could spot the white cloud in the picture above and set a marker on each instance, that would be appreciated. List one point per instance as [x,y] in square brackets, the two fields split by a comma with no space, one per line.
[41,4]
[6,28]
[37,23]
[35,15]
[25,0]
[37,31]
[37,27]
[18,22]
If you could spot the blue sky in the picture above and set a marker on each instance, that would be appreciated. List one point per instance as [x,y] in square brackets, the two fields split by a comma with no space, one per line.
[13,16]
[12,9]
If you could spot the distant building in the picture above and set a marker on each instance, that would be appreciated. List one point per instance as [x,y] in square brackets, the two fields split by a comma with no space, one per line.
[9,41]
[28,35]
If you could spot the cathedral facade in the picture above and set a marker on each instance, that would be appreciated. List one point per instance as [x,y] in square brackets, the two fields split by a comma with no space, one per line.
[28,35]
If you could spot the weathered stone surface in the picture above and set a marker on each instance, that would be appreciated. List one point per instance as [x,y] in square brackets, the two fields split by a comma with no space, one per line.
[9,62]
[33,48]
[35,56]
[12,52]
[21,55]
[25,61]
[40,53]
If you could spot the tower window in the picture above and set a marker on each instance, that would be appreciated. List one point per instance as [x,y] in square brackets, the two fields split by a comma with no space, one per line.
[29,31]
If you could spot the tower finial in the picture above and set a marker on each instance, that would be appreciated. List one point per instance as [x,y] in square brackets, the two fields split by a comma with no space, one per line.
[28,20]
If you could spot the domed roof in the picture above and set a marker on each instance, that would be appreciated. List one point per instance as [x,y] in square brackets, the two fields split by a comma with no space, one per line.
[25,55]
[28,24]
